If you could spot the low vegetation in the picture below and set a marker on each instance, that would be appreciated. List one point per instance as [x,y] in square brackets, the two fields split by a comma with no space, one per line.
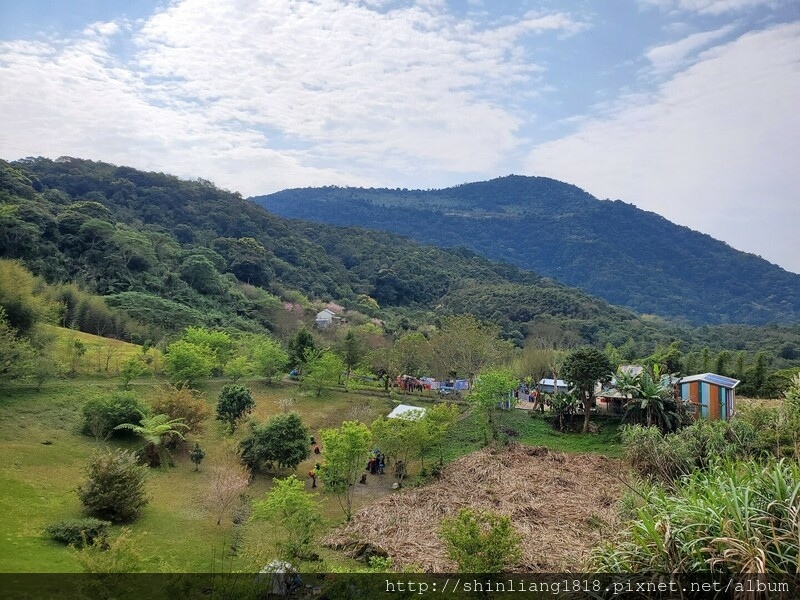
[114,488]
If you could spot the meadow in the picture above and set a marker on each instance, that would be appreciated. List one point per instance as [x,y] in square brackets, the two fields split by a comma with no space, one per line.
[45,454]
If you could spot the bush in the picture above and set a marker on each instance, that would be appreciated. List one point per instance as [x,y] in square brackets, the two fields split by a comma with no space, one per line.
[78,532]
[182,403]
[234,402]
[281,441]
[480,542]
[102,414]
[114,489]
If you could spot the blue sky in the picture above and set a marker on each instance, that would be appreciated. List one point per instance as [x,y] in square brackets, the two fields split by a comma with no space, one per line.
[687,108]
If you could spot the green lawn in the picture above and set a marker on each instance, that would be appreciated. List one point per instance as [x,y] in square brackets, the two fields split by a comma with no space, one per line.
[44,456]
[535,429]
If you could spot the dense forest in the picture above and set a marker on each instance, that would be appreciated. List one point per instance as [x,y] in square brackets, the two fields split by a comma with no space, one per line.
[611,249]
[143,255]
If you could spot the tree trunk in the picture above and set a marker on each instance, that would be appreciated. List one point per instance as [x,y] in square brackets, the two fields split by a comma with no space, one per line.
[587,405]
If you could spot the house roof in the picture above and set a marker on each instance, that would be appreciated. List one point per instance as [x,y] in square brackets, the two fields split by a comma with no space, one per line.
[561,382]
[721,380]
[631,370]
[325,312]
[406,411]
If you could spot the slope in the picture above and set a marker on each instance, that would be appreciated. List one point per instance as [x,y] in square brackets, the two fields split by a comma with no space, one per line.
[172,253]
[613,250]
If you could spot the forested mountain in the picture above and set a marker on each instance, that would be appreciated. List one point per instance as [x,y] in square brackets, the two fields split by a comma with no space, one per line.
[168,253]
[142,239]
[613,250]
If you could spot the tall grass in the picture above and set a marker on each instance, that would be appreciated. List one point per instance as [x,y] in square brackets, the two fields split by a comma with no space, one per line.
[731,518]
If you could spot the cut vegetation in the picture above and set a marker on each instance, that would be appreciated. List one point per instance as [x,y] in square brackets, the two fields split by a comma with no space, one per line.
[562,504]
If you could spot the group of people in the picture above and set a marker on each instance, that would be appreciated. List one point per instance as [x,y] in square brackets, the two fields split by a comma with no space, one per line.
[377,463]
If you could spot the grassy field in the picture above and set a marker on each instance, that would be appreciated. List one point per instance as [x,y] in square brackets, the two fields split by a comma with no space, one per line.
[44,456]
[102,357]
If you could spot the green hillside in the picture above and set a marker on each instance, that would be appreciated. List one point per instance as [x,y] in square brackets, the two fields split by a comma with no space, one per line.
[170,253]
[613,250]
[165,253]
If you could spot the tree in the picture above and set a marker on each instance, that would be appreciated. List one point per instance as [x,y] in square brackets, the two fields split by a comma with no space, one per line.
[490,389]
[21,305]
[102,414]
[197,455]
[185,361]
[16,354]
[651,396]
[705,359]
[281,441]
[44,367]
[238,367]
[183,403]
[199,272]
[480,542]
[75,349]
[352,354]
[132,368]
[299,345]
[322,369]
[219,342]
[399,438]
[384,365]
[465,346]
[228,481]
[157,431]
[269,358]
[346,453]
[412,353]
[234,402]
[535,363]
[583,368]
[114,488]
[293,512]
[434,426]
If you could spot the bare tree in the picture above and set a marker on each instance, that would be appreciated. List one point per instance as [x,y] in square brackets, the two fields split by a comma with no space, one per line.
[229,480]
[286,404]
[109,351]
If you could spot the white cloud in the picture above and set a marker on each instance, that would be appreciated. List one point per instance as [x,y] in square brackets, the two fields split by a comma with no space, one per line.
[715,148]
[260,96]
[671,56]
[708,7]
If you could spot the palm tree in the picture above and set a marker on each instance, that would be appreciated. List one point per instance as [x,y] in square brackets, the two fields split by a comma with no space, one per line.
[157,431]
[652,395]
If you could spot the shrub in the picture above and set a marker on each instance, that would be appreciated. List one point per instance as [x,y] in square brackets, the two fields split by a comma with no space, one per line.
[281,441]
[234,402]
[77,532]
[114,488]
[480,542]
[102,414]
[119,555]
[182,403]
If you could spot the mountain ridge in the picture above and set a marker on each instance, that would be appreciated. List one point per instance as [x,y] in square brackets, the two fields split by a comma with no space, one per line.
[628,256]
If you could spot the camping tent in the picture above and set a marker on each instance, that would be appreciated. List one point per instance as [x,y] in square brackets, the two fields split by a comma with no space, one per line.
[405,411]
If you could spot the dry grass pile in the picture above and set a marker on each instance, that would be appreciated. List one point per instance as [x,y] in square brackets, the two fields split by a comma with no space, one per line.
[562,504]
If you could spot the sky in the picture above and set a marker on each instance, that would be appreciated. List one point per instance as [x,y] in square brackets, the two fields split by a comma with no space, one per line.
[687,108]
